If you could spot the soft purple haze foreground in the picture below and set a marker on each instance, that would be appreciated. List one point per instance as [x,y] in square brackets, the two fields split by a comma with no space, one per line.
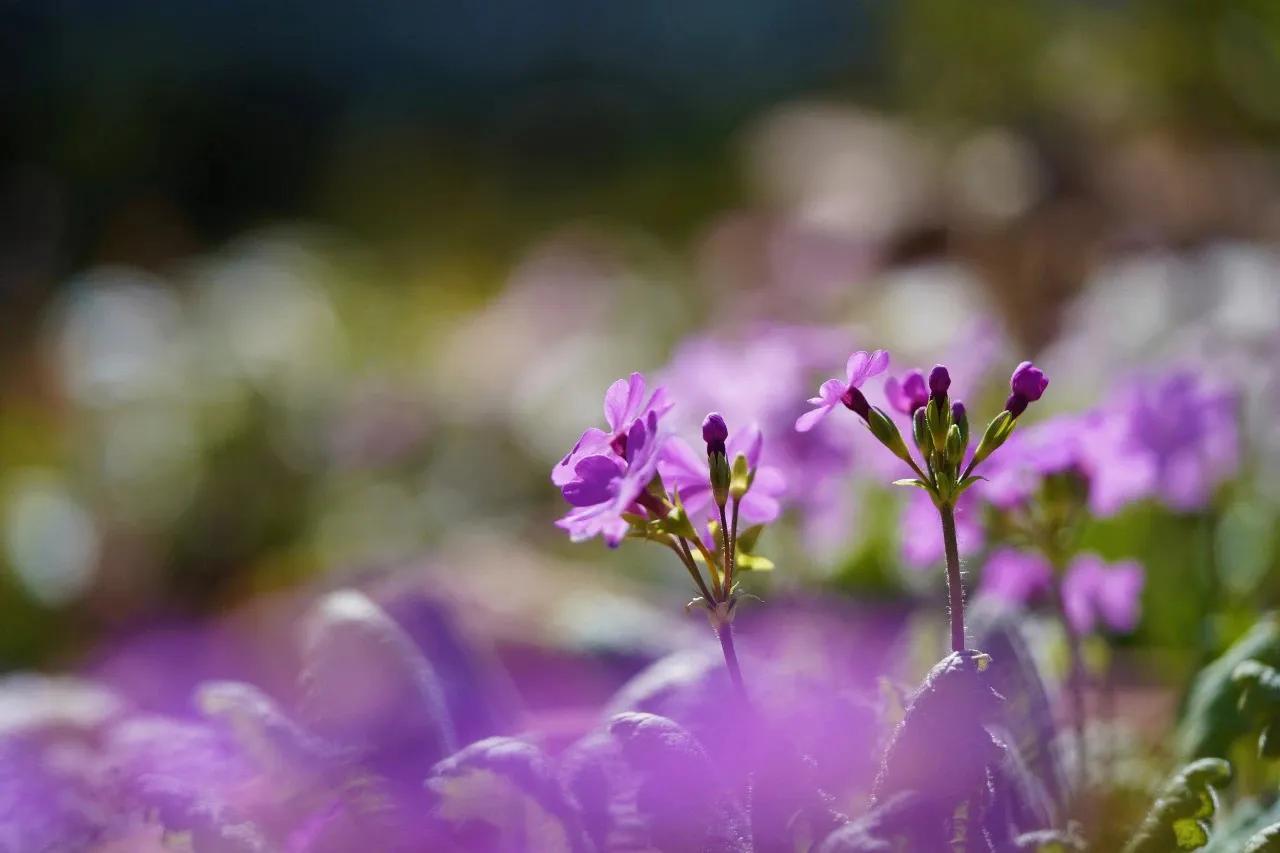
[325,732]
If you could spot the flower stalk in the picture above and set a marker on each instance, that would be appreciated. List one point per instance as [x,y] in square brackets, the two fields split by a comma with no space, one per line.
[940,431]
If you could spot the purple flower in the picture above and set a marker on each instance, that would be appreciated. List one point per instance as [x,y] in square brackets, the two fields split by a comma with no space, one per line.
[909,394]
[606,485]
[1016,577]
[686,472]
[1050,447]
[1095,594]
[1188,429]
[860,367]
[1027,385]
[714,433]
[921,534]
[710,374]
[624,404]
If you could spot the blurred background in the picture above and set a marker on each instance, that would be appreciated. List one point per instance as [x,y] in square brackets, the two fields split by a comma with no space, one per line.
[299,295]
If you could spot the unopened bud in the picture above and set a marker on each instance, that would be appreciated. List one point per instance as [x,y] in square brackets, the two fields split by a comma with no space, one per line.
[939,382]
[886,432]
[920,429]
[997,431]
[741,477]
[855,402]
[955,446]
[720,477]
[960,417]
[714,432]
[939,422]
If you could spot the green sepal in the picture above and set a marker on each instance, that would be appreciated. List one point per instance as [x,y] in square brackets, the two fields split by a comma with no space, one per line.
[741,477]
[913,481]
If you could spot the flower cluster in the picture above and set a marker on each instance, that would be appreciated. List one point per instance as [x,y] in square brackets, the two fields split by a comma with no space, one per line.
[706,373]
[638,481]
[940,426]
[940,430]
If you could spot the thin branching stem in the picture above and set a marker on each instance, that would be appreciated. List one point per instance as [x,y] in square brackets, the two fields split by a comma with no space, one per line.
[682,551]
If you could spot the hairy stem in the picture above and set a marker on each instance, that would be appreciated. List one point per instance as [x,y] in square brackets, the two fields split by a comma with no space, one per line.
[955,589]
[726,540]
[724,630]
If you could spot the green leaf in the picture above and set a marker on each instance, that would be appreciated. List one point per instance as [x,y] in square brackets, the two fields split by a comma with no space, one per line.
[1259,702]
[1179,818]
[1212,721]
[1266,841]
[747,538]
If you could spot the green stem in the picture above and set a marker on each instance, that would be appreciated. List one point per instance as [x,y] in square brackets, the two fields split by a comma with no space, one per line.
[726,541]
[955,589]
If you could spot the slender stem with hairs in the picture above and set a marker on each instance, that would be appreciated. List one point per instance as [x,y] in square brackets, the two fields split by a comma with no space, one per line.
[955,589]
[724,630]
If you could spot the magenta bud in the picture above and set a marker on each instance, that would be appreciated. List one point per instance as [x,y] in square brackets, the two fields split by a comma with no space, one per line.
[939,381]
[1028,381]
[714,432]
[855,402]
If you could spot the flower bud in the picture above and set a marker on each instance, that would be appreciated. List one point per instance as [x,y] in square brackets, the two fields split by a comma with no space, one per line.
[997,431]
[714,432]
[886,432]
[920,429]
[740,477]
[960,417]
[718,462]
[1016,404]
[939,422]
[939,381]
[1028,381]
[955,446]
[855,402]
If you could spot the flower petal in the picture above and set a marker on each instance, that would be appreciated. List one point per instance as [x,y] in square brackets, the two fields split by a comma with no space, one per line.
[593,441]
[618,400]
[855,369]
[810,419]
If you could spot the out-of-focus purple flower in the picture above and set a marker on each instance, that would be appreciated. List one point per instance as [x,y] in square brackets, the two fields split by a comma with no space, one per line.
[624,404]
[1095,594]
[1188,428]
[706,374]
[860,367]
[1015,577]
[909,394]
[939,380]
[714,433]
[686,473]
[921,535]
[1050,447]
[1026,385]
[606,485]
